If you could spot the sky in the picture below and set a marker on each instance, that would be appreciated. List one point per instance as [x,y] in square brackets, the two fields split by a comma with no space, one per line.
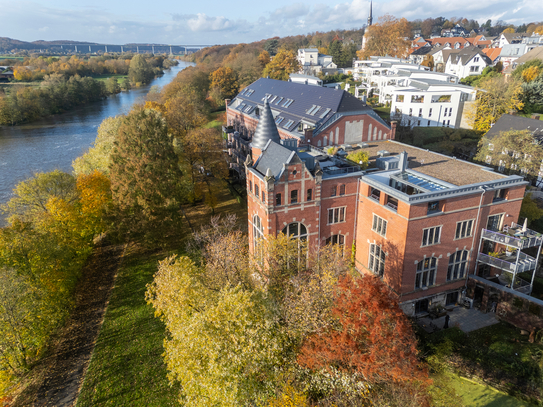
[208,22]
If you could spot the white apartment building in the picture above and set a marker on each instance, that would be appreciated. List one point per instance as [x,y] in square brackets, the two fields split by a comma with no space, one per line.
[429,102]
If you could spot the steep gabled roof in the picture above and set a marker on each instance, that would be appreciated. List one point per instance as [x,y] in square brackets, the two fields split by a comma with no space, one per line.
[492,53]
[464,55]
[273,157]
[312,104]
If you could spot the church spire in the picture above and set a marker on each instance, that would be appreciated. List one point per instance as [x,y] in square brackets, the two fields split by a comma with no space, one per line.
[370,18]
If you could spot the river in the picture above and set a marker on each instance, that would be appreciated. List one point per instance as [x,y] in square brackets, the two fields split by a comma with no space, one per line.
[54,142]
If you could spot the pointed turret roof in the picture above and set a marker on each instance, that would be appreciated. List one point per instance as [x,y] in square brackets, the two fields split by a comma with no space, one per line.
[266,128]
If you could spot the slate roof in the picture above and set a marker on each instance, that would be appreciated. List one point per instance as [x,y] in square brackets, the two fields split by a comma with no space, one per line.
[266,128]
[312,104]
[510,122]
[273,156]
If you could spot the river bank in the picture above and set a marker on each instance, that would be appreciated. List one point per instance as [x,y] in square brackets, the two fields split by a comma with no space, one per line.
[54,142]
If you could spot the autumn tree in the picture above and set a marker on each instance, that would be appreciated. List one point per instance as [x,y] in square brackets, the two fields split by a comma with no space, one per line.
[282,65]
[372,337]
[145,178]
[495,96]
[224,83]
[97,156]
[387,38]
[264,58]
[184,112]
[514,151]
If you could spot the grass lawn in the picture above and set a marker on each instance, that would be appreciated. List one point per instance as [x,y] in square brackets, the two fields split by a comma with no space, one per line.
[127,367]
[383,112]
[478,395]
[105,77]
[216,120]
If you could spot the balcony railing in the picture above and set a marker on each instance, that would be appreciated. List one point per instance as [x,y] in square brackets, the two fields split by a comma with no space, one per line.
[531,238]
[525,263]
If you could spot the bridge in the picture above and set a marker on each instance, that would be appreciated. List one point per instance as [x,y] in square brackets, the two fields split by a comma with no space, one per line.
[83,48]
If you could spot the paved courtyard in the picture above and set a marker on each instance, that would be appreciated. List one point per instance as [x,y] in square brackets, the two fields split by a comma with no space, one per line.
[466,319]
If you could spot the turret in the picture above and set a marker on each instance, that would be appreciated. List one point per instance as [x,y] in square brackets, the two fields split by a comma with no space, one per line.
[265,130]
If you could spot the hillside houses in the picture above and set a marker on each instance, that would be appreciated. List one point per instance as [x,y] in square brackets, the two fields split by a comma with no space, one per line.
[312,62]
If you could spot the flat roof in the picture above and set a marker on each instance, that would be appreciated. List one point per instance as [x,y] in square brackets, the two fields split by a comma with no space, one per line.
[439,166]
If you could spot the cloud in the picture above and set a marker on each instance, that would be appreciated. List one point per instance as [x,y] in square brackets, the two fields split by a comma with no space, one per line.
[204,23]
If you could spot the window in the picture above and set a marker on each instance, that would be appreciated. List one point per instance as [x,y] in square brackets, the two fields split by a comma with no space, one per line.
[445,114]
[464,229]
[494,222]
[499,195]
[333,191]
[457,265]
[392,203]
[309,194]
[476,59]
[279,100]
[336,215]
[377,260]
[433,207]
[263,196]
[258,234]
[474,69]
[420,112]
[448,123]
[294,196]
[426,273]
[278,199]
[251,186]
[410,111]
[279,119]
[296,230]
[399,98]
[450,112]
[325,113]
[417,99]
[289,123]
[342,189]
[431,236]
[375,194]
[379,225]
[336,239]
[430,113]
[257,191]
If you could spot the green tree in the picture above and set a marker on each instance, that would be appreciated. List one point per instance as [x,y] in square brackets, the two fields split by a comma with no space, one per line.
[140,72]
[145,178]
[271,46]
[515,151]
[112,86]
[282,65]
[530,209]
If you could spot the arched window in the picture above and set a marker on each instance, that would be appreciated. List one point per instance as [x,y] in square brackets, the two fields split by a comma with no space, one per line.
[377,260]
[426,273]
[296,230]
[458,263]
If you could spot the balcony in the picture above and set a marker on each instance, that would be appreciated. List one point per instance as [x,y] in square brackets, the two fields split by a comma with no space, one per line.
[514,237]
[509,262]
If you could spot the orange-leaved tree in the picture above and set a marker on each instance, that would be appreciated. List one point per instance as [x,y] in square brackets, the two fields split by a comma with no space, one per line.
[372,337]
[387,37]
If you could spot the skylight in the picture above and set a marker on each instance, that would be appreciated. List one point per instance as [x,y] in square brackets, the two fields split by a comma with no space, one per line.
[289,123]
[272,99]
[279,101]
[325,113]
[279,119]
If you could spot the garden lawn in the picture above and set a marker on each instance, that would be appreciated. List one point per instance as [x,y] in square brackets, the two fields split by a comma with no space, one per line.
[105,77]
[478,395]
[127,367]
[383,112]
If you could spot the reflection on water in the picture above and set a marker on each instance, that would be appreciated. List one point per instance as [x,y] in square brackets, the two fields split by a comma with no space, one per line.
[56,141]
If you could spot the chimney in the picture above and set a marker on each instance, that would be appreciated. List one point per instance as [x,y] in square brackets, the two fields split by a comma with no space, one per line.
[393,125]
[403,161]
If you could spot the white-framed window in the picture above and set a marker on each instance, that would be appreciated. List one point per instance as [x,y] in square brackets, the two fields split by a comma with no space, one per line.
[431,236]
[336,215]
[379,225]
[458,263]
[376,261]
[426,273]
[464,229]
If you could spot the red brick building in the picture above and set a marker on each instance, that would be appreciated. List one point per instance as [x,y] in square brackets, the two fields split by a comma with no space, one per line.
[416,218]
[305,114]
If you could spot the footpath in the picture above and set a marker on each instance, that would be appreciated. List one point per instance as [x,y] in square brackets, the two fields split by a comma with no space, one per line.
[59,376]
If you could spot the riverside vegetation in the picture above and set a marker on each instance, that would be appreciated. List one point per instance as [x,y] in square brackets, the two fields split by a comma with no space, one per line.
[64,83]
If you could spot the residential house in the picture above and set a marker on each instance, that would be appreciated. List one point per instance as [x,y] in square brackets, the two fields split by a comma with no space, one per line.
[535,53]
[311,62]
[305,79]
[493,54]
[467,61]
[510,53]
[415,217]
[509,38]
[456,31]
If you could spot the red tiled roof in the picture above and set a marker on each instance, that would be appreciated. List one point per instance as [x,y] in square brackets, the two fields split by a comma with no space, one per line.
[492,53]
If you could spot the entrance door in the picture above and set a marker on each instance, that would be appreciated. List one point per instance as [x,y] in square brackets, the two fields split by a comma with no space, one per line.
[421,306]
[478,297]
[452,298]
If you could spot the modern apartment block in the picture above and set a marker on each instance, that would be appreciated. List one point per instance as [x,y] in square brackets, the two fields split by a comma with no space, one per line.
[414,218]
